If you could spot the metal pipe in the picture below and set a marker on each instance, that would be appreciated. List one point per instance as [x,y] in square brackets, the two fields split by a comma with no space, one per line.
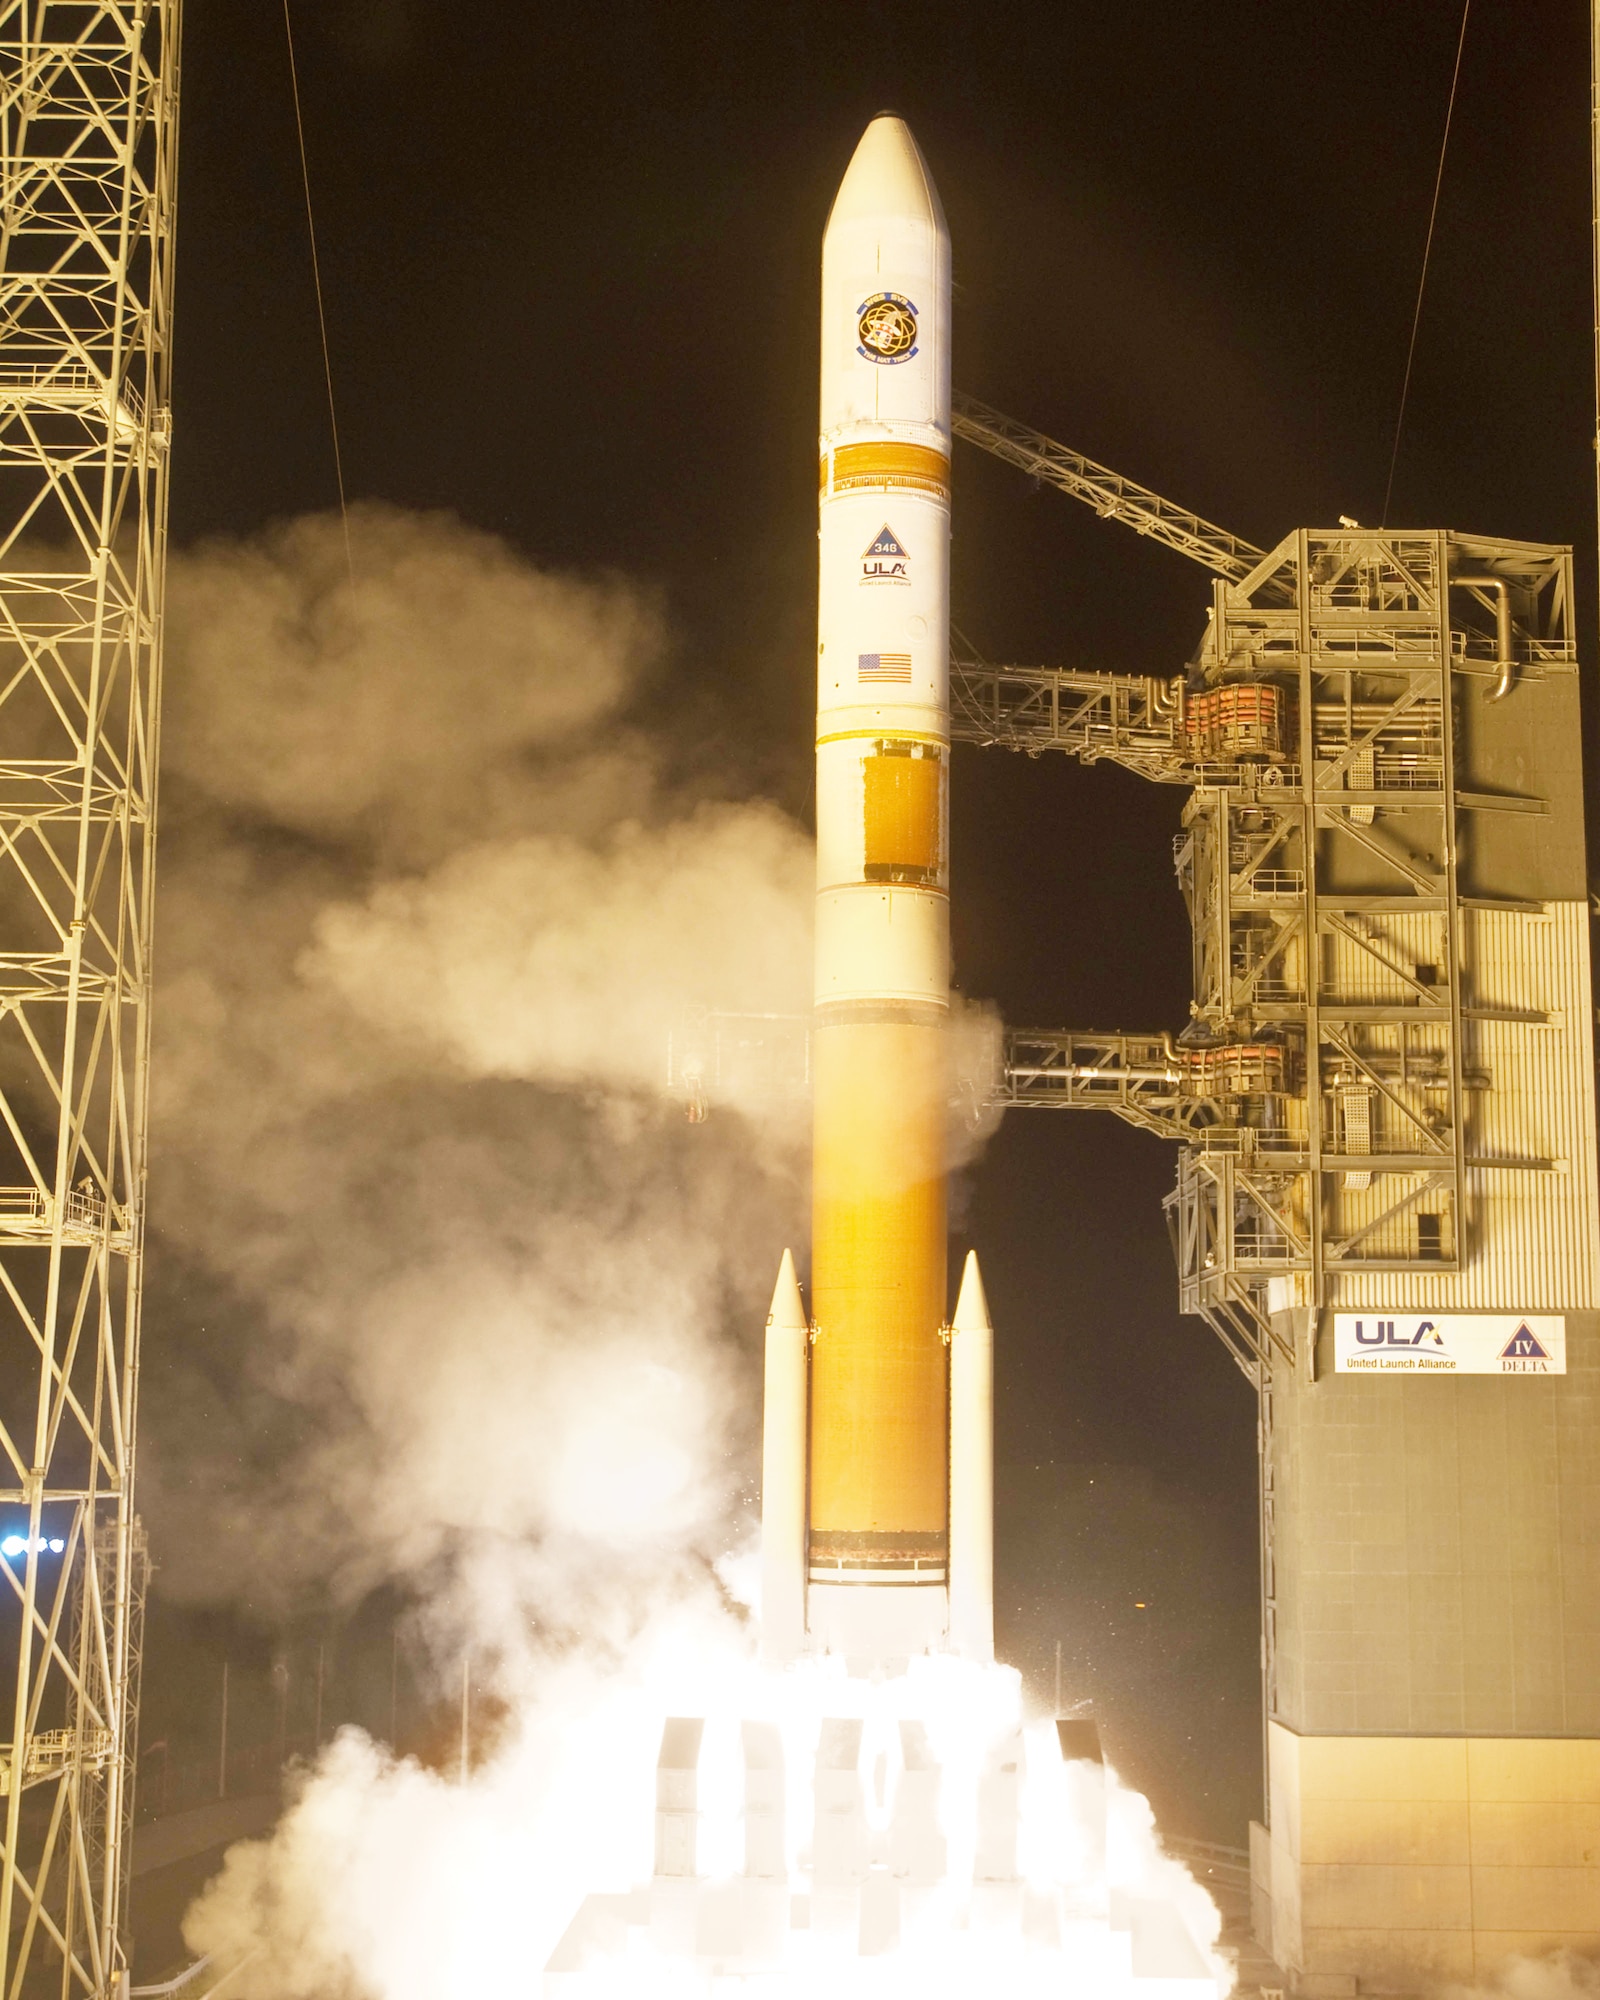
[1506,660]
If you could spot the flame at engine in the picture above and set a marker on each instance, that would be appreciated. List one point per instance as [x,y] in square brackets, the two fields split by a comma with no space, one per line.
[685,1821]
[815,1832]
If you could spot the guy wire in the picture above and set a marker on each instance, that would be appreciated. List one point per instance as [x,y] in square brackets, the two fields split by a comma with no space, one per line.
[316,277]
[1433,216]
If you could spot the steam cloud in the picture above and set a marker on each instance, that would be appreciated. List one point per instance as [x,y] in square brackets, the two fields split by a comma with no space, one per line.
[413,843]
[1560,1975]
[546,959]
[429,909]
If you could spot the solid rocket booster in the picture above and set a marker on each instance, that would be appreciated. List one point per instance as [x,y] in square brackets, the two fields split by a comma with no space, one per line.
[874,1426]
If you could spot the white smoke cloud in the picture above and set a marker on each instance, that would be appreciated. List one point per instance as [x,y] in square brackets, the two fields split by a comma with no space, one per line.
[1557,1975]
[570,964]
[384,1878]
[410,704]
[428,906]
[390,1880]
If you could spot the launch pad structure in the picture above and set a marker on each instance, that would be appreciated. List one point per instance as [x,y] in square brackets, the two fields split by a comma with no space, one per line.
[1385,1112]
[88,134]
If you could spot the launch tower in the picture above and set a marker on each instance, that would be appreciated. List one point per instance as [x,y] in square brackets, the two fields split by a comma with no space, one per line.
[88,129]
[1386,1195]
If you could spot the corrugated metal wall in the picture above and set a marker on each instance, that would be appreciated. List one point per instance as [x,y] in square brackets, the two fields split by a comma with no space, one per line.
[1532,1237]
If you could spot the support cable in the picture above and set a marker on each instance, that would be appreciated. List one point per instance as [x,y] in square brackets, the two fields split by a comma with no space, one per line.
[1433,216]
[316,276]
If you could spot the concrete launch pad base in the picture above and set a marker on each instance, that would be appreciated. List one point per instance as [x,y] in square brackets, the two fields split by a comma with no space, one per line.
[1395,1863]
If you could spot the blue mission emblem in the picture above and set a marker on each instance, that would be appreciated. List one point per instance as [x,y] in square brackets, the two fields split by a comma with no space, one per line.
[885,561]
[886,327]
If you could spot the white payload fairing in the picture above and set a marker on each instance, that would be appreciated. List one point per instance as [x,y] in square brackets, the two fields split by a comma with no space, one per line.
[877,1502]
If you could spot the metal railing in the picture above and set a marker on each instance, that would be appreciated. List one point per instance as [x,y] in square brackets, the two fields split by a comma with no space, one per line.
[52,1751]
[32,1211]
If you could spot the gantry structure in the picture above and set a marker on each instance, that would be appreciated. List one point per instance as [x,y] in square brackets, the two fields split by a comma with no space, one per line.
[1328,1092]
[88,136]
[1383,1107]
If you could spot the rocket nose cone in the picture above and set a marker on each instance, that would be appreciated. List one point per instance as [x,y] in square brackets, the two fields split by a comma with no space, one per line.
[887,175]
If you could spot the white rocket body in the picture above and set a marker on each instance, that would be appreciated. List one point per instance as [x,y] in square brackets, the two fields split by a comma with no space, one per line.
[885,458]
[890,1432]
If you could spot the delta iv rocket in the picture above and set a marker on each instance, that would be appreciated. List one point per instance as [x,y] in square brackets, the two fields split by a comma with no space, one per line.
[877,1490]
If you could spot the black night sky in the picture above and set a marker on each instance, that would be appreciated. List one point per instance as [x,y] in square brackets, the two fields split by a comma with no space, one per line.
[569,257]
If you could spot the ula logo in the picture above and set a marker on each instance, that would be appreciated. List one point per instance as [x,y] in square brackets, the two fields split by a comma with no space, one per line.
[1383,1334]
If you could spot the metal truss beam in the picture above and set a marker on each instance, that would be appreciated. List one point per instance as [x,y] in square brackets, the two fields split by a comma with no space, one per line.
[88,137]
[1319,872]
[1112,497]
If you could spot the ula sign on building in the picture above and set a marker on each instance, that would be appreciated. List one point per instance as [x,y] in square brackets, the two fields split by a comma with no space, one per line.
[1451,1344]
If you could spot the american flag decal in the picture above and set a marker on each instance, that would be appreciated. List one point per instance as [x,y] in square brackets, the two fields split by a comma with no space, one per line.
[883,667]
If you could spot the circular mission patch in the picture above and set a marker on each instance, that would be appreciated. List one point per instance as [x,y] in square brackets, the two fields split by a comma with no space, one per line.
[886,325]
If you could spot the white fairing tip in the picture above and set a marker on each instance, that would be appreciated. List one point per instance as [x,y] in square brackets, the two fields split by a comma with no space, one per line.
[887,175]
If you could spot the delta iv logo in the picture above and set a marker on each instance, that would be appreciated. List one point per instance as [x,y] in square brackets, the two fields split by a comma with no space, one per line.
[1524,1353]
[886,561]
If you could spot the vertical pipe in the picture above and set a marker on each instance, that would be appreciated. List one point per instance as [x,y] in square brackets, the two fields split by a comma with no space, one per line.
[972,1471]
[783,1472]
[222,1753]
[316,1727]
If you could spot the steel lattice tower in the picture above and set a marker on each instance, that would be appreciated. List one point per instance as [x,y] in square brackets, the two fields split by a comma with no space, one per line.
[88,129]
